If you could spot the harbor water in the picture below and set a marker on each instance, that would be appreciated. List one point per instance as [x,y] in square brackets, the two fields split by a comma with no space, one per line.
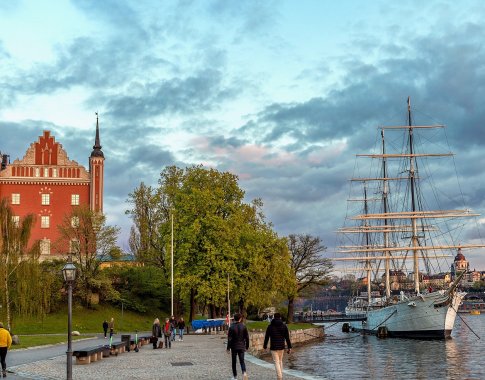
[354,356]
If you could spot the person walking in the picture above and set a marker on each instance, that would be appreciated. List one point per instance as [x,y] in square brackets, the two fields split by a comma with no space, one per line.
[237,344]
[277,332]
[5,343]
[167,333]
[156,332]
[173,322]
[111,327]
[181,327]
[105,328]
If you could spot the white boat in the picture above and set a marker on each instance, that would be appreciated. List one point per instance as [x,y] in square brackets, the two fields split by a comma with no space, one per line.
[398,239]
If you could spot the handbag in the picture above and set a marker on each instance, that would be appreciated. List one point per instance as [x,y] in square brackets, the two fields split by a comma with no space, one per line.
[153,339]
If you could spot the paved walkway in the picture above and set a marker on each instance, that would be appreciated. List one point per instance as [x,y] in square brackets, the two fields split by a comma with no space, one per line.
[197,357]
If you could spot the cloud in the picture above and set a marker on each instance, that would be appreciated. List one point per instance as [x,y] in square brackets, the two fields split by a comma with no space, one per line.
[189,95]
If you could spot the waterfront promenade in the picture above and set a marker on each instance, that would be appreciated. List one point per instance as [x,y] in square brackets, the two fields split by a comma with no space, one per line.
[197,357]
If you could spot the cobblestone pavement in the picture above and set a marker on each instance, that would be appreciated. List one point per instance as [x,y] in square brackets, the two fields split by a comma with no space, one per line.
[197,357]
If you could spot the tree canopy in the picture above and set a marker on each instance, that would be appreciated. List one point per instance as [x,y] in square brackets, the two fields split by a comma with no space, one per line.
[85,235]
[216,236]
[309,268]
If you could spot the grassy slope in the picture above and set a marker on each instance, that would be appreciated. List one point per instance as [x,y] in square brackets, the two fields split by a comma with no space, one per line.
[262,325]
[85,321]
[88,321]
[42,340]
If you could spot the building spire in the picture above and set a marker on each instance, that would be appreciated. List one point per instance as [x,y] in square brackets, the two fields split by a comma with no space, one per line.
[97,152]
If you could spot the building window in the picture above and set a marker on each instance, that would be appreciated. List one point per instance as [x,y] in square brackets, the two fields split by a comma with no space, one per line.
[75,199]
[54,172]
[46,199]
[45,247]
[16,220]
[74,246]
[44,221]
[46,172]
[15,199]
[37,172]
[75,221]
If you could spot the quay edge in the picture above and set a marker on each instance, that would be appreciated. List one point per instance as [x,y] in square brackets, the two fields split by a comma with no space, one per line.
[298,338]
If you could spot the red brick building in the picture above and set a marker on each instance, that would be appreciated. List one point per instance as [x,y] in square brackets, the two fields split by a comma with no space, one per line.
[48,184]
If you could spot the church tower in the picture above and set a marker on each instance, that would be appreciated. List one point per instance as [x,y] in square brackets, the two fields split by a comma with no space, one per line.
[96,170]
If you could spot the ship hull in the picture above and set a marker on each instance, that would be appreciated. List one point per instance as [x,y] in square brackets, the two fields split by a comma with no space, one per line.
[430,316]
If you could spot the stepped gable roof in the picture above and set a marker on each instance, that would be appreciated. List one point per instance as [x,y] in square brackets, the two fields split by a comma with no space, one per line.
[97,152]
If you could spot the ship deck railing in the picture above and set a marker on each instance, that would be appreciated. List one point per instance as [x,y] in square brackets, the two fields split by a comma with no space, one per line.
[337,317]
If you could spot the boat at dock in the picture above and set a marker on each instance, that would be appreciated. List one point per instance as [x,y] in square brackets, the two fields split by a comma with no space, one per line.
[472,304]
[399,234]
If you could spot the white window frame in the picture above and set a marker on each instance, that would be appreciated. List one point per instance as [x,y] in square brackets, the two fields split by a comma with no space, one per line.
[36,172]
[46,199]
[54,172]
[74,199]
[74,246]
[16,220]
[45,247]
[46,172]
[44,221]
[75,221]
[15,199]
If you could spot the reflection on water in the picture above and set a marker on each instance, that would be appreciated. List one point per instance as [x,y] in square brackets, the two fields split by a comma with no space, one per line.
[353,356]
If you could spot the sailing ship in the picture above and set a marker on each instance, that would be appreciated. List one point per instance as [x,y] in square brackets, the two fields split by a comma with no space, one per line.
[397,231]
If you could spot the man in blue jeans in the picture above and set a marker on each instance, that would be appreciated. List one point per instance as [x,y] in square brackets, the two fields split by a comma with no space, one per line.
[238,343]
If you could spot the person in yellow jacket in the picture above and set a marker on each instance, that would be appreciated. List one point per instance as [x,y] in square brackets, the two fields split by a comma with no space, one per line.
[5,343]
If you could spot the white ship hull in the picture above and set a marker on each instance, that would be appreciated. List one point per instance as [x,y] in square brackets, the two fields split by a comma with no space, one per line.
[427,316]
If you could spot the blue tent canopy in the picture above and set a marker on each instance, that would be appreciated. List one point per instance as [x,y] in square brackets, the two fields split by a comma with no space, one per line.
[206,323]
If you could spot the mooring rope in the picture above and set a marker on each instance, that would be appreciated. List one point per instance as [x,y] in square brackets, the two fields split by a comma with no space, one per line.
[385,320]
[314,336]
[466,324]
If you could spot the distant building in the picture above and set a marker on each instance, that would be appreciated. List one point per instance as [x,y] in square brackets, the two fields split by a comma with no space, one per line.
[460,264]
[437,280]
[48,184]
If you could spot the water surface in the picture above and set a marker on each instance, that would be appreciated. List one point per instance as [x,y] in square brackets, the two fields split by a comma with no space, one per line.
[354,356]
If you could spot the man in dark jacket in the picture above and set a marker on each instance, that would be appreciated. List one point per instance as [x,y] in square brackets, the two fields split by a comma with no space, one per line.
[278,333]
[238,343]
[105,328]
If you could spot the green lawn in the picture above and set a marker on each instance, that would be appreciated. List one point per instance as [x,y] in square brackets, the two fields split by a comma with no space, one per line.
[262,325]
[41,340]
[88,321]
[85,321]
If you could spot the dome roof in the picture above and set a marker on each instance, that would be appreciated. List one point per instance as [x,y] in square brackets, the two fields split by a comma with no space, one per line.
[460,257]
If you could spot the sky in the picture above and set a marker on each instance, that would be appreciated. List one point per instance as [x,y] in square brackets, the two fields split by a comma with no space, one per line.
[283,94]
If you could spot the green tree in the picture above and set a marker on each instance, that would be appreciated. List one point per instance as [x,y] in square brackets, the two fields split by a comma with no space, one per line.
[141,289]
[262,262]
[216,235]
[85,235]
[148,214]
[309,268]
[14,239]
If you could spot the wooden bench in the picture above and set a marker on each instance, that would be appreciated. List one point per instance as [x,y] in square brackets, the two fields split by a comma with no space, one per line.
[91,354]
[117,348]
[142,340]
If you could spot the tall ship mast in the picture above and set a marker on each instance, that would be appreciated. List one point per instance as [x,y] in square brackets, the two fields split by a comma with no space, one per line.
[402,236]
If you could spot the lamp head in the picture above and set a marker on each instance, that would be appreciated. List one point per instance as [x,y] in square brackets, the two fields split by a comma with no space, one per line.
[69,272]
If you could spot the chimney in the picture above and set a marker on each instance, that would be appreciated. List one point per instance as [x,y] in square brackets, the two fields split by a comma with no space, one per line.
[5,159]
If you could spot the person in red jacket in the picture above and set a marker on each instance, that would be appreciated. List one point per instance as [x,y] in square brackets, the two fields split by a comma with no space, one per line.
[238,343]
[5,343]
[167,333]
[277,332]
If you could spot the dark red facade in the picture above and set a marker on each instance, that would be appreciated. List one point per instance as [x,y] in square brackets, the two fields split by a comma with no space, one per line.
[48,184]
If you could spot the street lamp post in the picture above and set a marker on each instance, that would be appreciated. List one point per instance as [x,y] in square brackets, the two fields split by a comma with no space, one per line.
[69,273]
[171,266]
